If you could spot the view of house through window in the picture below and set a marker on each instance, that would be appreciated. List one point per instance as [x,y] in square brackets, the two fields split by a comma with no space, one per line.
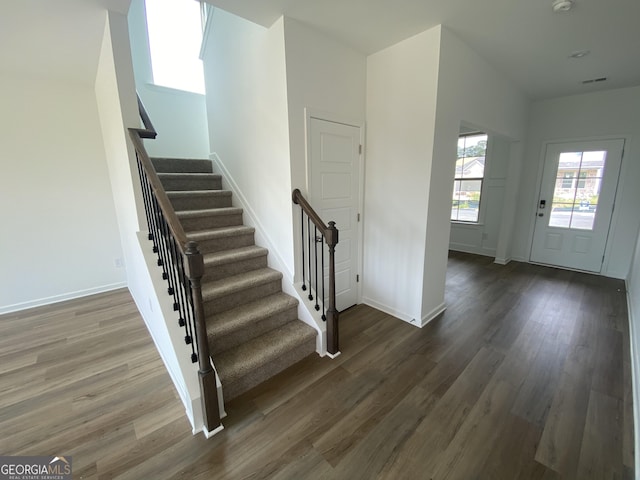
[577,190]
[467,186]
[175,37]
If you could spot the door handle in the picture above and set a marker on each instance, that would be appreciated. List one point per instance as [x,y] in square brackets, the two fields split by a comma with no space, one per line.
[543,203]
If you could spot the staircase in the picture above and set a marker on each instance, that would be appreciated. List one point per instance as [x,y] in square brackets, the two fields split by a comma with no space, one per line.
[252,326]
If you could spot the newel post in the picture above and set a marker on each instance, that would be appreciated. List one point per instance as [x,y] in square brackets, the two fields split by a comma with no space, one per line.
[206,374]
[333,347]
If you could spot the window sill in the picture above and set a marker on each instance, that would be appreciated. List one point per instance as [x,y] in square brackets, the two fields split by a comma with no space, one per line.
[467,224]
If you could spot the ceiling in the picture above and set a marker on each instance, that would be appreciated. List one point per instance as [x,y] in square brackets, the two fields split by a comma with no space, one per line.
[523,39]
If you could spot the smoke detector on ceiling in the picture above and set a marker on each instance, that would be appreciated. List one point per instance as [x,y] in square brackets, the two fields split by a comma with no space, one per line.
[562,5]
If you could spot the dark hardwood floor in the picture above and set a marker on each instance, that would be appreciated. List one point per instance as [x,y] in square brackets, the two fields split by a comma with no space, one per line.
[525,376]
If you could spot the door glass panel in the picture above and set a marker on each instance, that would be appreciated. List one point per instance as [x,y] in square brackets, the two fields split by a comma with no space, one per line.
[577,189]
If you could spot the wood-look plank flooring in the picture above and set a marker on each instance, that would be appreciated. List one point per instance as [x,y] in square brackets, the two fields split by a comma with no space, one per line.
[526,375]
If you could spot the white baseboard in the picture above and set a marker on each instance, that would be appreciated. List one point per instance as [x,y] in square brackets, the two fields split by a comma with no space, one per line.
[433,314]
[473,249]
[390,311]
[634,340]
[16,307]
[502,261]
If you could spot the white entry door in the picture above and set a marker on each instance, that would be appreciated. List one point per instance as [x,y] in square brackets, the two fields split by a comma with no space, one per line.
[576,202]
[334,184]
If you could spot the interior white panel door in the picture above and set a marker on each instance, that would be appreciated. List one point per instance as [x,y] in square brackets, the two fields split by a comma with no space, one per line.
[577,197]
[334,184]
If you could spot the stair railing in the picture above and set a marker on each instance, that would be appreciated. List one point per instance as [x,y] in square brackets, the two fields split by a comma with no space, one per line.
[311,241]
[182,267]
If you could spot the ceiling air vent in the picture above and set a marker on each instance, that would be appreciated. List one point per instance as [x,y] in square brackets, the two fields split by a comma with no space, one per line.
[594,80]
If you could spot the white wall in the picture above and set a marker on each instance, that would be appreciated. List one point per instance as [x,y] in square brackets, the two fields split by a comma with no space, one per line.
[324,75]
[612,113]
[245,76]
[401,108]
[59,232]
[179,117]
[482,238]
[115,94]
[472,92]
[327,78]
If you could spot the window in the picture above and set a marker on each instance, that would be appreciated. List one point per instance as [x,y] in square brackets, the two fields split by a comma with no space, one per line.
[577,190]
[175,37]
[467,185]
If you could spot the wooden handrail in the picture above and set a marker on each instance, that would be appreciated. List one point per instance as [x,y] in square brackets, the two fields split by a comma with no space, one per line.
[148,131]
[161,196]
[330,234]
[186,261]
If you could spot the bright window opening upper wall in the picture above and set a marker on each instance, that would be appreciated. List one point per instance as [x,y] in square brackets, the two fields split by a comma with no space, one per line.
[175,37]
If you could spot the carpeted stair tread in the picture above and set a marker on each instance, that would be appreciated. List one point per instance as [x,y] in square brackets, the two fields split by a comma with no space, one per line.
[190,181]
[252,326]
[207,212]
[224,257]
[249,320]
[188,175]
[220,232]
[255,361]
[182,165]
[237,283]
[198,193]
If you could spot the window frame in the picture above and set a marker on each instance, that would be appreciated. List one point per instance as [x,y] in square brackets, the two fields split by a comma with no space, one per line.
[461,179]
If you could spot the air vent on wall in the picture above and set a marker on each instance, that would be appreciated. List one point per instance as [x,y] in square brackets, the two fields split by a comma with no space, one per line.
[594,80]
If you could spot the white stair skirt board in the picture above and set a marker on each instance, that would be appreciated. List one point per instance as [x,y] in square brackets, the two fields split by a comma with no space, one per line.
[634,340]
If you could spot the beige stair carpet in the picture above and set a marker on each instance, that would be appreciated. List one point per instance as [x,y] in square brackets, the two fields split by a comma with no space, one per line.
[252,326]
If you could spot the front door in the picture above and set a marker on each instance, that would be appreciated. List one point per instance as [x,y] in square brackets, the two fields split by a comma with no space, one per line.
[576,202]
[334,184]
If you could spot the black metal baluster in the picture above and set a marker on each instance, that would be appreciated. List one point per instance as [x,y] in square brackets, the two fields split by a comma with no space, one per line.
[144,196]
[304,285]
[309,255]
[324,310]
[190,314]
[180,284]
[158,235]
[315,241]
[166,260]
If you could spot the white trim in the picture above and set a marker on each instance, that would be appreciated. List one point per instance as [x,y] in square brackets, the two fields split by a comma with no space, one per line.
[189,396]
[63,297]
[318,114]
[502,261]
[634,341]
[433,314]
[390,311]
[467,248]
[333,355]
[209,434]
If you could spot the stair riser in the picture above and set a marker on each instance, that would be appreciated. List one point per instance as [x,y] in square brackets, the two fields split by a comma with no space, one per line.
[178,165]
[218,272]
[225,243]
[221,304]
[182,184]
[233,339]
[198,202]
[232,390]
[211,221]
